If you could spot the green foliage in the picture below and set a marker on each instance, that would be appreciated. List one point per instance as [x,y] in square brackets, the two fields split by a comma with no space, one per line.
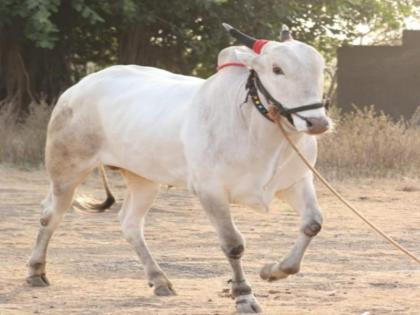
[86,11]
[32,18]
[193,26]
[180,35]
[35,20]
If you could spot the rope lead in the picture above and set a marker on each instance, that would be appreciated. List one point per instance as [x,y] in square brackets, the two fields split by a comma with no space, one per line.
[341,198]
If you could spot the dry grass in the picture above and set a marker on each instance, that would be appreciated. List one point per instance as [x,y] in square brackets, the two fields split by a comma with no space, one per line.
[364,143]
[22,144]
[369,143]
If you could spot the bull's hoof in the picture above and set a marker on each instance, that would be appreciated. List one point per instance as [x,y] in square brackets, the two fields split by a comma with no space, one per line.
[164,291]
[38,281]
[247,304]
[272,272]
[161,284]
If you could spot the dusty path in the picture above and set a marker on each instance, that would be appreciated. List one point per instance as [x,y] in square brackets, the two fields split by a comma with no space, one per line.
[347,270]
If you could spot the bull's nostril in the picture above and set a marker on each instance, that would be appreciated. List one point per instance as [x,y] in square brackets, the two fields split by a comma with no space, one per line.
[317,125]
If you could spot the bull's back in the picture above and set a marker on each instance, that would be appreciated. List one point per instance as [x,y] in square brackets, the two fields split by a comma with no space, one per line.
[138,112]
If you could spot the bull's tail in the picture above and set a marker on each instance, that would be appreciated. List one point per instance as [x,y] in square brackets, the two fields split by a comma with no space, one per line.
[85,204]
[110,200]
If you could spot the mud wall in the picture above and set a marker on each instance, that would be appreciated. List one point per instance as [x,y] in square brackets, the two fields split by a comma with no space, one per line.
[386,76]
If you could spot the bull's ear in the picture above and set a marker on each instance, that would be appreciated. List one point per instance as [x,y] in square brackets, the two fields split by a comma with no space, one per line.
[249,58]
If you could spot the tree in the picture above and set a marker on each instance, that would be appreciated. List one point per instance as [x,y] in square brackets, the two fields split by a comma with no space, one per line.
[46,45]
[185,36]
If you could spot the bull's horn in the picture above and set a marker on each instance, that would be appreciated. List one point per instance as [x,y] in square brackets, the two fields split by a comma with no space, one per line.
[285,34]
[243,38]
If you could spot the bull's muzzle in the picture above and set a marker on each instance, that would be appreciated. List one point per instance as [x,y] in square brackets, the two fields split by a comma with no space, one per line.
[317,125]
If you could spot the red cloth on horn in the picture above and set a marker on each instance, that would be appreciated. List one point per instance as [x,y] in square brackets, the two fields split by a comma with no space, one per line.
[258,45]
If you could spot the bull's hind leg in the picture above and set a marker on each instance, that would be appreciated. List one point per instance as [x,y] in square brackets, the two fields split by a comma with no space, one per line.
[302,198]
[140,196]
[233,246]
[73,143]
[55,205]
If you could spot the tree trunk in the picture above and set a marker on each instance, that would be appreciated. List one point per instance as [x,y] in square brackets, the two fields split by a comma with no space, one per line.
[30,74]
[134,47]
[15,85]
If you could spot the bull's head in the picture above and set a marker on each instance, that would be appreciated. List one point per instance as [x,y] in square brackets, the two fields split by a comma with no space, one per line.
[292,74]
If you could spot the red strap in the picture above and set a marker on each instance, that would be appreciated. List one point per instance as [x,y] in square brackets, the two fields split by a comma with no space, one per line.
[258,45]
[230,64]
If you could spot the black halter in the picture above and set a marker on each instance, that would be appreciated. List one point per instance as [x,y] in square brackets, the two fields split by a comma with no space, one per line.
[254,85]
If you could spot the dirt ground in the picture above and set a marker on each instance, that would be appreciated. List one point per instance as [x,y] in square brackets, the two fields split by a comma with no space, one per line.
[348,269]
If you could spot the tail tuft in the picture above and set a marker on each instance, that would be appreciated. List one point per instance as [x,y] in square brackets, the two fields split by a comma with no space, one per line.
[101,207]
[86,204]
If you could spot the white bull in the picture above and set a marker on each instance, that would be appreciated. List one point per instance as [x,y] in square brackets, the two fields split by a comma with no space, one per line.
[162,128]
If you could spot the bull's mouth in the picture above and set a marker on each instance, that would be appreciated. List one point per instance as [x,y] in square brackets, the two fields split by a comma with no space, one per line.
[315,133]
[311,125]
[317,130]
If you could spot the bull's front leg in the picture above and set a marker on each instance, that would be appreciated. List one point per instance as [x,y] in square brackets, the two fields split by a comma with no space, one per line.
[233,246]
[302,198]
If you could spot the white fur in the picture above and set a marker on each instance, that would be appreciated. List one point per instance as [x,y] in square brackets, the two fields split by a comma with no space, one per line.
[164,128]
[181,130]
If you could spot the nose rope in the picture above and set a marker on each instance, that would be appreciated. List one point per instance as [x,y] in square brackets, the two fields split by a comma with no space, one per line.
[339,196]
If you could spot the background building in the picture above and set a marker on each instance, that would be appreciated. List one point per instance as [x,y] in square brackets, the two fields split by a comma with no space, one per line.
[386,76]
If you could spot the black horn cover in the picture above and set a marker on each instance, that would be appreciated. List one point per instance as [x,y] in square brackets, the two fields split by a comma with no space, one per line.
[243,38]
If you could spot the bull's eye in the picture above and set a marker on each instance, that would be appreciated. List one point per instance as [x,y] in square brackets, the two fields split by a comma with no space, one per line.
[277,70]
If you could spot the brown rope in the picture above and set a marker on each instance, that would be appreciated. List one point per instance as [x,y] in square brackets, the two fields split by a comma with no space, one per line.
[277,119]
